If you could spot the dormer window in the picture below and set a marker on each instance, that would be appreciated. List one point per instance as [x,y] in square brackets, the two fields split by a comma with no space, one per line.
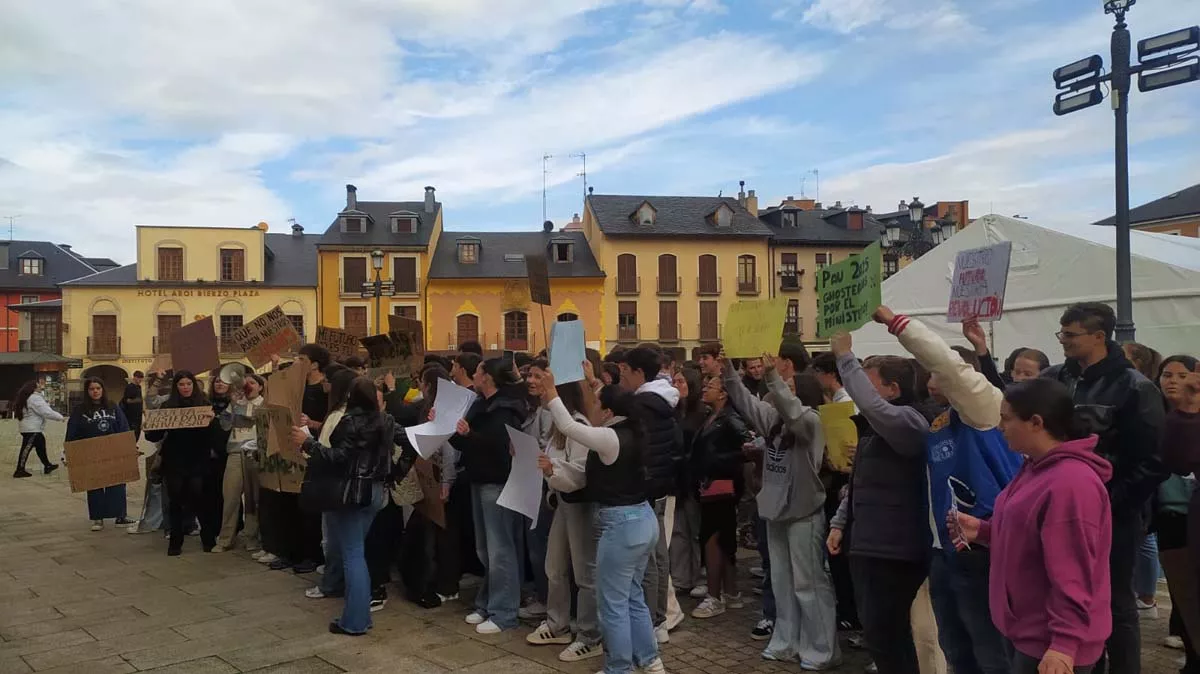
[563,251]
[789,219]
[353,225]
[723,216]
[468,252]
[32,266]
[645,214]
[404,223]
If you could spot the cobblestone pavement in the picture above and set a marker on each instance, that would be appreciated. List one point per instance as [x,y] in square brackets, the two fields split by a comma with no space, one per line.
[99,603]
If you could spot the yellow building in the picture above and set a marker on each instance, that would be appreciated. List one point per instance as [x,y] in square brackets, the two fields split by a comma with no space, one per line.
[396,235]
[478,290]
[675,264]
[116,321]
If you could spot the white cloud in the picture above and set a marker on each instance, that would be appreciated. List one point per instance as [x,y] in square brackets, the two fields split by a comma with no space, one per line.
[851,16]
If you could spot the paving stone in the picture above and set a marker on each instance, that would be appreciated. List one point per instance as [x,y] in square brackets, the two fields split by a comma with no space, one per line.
[45,642]
[113,664]
[151,658]
[180,615]
[209,665]
[458,656]
[277,652]
[305,666]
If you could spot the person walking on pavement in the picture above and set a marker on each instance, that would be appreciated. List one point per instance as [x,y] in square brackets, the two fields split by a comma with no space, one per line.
[32,412]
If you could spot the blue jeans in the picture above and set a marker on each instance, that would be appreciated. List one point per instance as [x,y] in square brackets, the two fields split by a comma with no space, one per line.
[107,503]
[348,534]
[627,538]
[333,581]
[537,540]
[1145,569]
[498,532]
[958,589]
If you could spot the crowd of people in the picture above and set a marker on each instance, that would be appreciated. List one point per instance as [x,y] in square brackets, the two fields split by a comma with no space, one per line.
[992,518]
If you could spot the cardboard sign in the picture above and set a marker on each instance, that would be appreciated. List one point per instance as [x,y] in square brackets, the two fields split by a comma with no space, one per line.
[430,505]
[285,388]
[980,278]
[282,471]
[539,279]
[412,330]
[161,364]
[340,343]
[279,423]
[753,328]
[194,347]
[104,461]
[177,417]
[266,335]
[849,292]
[400,351]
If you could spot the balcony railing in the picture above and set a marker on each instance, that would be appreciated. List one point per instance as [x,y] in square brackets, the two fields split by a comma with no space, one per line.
[629,285]
[670,285]
[160,344]
[749,286]
[789,281]
[628,333]
[37,345]
[669,332]
[104,348]
[526,343]
[710,332]
[792,329]
[453,339]
[708,286]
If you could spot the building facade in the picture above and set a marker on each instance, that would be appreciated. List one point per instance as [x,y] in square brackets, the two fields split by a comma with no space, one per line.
[398,236]
[478,290]
[1177,213]
[117,321]
[30,272]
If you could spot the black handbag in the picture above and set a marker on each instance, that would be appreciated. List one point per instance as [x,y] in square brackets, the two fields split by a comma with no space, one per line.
[326,487]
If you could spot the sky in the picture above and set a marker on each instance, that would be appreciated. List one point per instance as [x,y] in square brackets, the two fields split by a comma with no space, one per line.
[231,112]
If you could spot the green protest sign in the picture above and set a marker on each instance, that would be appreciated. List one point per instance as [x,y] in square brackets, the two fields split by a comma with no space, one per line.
[849,292]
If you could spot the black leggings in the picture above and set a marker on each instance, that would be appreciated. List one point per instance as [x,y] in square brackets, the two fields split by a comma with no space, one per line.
[186,494]
[30,442]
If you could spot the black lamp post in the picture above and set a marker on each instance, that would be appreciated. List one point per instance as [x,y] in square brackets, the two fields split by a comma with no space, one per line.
[378,288]
[1163,61]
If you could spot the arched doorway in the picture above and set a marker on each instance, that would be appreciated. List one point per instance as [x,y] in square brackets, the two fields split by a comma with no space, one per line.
[114,379]
[468,329]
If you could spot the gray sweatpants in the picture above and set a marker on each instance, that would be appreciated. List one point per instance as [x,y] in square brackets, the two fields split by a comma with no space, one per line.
[572,548]
[657,585]
[805,607]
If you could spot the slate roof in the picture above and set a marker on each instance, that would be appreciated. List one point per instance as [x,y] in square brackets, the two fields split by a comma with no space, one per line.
[494,245]
[1179,204]
[59,266]
[821,226]
[379,225]
[291,263]
[45,304]
[675,216]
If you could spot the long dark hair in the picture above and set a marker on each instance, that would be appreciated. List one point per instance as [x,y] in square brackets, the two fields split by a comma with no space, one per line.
[500,370]
[571,395]
[1188,362]
[23,398]
[691,405]
[1145,359]
[340,384]
[363,396]
[809,391]
[1050,400]
[430,378]
[1036,356]
[88,405]
[175,400]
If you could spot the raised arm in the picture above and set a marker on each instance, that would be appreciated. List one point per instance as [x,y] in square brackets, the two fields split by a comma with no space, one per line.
[801,419]
[759,413]
[603,441]
[904,427]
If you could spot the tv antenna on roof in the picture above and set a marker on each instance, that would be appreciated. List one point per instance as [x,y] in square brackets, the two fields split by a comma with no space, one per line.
[582,174]
[545,171]
[816,174]
[11,219]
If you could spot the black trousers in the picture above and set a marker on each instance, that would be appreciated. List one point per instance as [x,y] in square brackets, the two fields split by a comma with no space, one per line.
[885,590]
[288,531]
[1023,664]
[186,494]
[1123,651]
[32,442]
[839,565]
[382,546]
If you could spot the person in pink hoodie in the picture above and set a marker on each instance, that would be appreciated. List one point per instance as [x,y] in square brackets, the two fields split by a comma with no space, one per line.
[1049,536]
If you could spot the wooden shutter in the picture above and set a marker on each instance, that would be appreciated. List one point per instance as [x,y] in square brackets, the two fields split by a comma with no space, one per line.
[668,321]
[170,264]
[667,278]
[516,331]
[708,321]
[626,273]
[708,274]
[404,274]
[167,324]
[406,311]
[298,323]
[354,275]
[468,328]
[104,335]
[354,320]
[233,264]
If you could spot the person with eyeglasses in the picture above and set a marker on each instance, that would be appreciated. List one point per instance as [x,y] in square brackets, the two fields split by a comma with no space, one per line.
[1125,409]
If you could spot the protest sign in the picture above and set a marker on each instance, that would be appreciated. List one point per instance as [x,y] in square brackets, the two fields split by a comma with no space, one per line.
[282,471]
[194,347]
[430,505]
[522,492]
[539,279]
[980,278]
[280,422]
[161,364]
[567,351]
[849,291]
[841,435]
[177,417]
[266,335]
[340,343]
[285,388]
[753,328]
[400,350]
[452,403]
[103,461]
[411,332]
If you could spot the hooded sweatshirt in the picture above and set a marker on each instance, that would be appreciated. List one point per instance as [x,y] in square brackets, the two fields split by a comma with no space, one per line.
[664,455]
[1050,536]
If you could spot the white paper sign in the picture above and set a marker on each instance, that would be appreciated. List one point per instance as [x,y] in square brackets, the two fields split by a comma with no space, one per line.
[452,403]
[523,491]
[567,351]
[980,277]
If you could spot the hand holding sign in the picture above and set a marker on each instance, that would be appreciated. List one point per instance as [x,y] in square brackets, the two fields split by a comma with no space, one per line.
[980,279]
[849,291]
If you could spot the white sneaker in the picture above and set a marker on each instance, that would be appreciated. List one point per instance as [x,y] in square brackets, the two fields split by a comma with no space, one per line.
[1147,611]
[733,601]
[655,667]
[711,607]
[543,636]
[218,549]
[487,627]
[699,592]
[266,559]
[97,525]
[447,597]
[475,618]
[532,611]
[314,592]
[661,634]
[1173,642]
[673,620]
[257,553]
[578,651]
[321,569]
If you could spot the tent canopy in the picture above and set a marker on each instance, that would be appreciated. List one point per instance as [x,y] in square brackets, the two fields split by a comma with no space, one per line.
[1051,269]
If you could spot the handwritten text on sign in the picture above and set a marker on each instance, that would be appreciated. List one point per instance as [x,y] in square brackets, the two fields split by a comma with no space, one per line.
[176,417]
[849,292]
[980,279]
[339,342]
[268,334]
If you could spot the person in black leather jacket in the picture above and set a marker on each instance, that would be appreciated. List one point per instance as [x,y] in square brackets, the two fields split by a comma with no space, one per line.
[1113,400]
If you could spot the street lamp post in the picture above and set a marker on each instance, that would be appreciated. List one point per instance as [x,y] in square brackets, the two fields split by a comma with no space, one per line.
[1163,61]
[378,288]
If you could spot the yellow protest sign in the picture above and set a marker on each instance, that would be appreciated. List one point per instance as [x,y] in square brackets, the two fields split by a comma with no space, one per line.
[841,435]
[754,328]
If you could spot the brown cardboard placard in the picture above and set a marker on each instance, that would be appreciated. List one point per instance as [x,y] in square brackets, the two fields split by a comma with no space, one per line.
[412,329]
[177,417]
[161,364]
[400,350]
[280,422]
[285,388]
[104,461]
[194,347]
[282,471]
[266,335]
[539,278]
[430,505]
[341,344]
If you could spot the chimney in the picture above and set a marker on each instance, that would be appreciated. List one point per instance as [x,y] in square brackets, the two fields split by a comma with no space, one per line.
[868,208]
[742,192]
[903,205]
[297,230]
[817,206]
[575,225]
[790,198]
[837,204]
[548,226]
[429,199]
[351,198]
[752,203]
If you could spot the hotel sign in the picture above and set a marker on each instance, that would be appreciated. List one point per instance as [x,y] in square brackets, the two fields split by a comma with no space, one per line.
[197,292]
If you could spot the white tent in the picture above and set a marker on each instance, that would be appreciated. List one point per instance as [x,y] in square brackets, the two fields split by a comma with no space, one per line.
[1052,268]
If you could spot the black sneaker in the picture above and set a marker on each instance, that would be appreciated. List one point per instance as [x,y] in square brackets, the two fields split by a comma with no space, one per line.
[22,473]
[50,469]
[378,599]
[305,567]
[280,564]
[763,630]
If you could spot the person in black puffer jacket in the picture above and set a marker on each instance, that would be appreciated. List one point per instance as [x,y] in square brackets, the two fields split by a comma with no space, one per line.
[360,452]
[185,466]
[482,443]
